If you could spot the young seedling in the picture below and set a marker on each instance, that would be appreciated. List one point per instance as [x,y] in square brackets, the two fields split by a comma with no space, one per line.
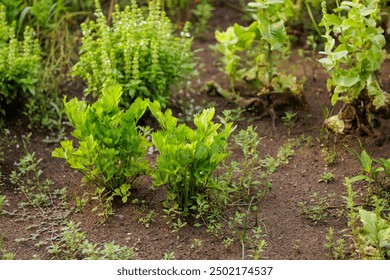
[326,177]
[288,120]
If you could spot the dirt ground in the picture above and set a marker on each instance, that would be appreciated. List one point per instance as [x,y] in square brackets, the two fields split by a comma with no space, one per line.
[288,232]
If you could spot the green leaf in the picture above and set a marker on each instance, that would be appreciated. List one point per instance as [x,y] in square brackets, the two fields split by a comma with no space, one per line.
[375,229]
[365,161]
[274,33]
[346,78]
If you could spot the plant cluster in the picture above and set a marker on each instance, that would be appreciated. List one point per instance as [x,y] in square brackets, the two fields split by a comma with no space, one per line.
[188,157]
[19,64]
[372,236]
[139,53]
[253,53]
[73,244]
[112,149]
[354,52]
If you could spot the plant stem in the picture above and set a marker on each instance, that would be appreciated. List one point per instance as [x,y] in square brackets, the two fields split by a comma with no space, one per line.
[315,25]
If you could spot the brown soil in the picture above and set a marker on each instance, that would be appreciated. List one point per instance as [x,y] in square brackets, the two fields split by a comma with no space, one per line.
[288,232]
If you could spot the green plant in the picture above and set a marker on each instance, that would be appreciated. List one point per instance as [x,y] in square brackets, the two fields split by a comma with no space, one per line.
[111,149]
[3,203]
[228,242]
[317,209]
[328,156]
[196,244]
[248,140]
[140,54]
[20,64]
[73,244]
[257,243]
[336,248]
[288,120]
[353,58]
[188,157]
[252,53]
[27,178]
[203,11]
[146,220]
[326,177]
[169,256]
[375,232]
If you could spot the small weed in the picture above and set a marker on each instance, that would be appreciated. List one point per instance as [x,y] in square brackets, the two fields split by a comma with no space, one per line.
[257,243]
[284,153]
[297,245]
[228,242]
[326,177]
[104,204]
[147,219]
[316,209]
[73,244]
[169,256]
[196,244]
[289,120]
[337,248]
[178,225]
[3,203]
[329,157]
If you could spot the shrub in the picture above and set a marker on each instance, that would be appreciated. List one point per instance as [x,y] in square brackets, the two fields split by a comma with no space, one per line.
[188,157]
[111,148]
[19,63]
[141,54]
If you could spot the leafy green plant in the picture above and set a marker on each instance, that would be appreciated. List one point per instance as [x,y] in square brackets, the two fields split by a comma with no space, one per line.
[354,52]
[140,54]
[111,149]
[375,232]
[374,170]
[19,64]
[252,53]
[188,157]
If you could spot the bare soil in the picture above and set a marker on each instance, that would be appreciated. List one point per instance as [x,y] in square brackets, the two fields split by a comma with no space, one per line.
[288,232]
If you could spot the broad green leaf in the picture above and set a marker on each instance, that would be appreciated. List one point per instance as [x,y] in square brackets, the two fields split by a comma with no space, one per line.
[346,78]
[375,229]
[273,33]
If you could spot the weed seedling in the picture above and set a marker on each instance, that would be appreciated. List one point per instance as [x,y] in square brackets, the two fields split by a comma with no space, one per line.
[326,177]
[196,244]
[336,248]
[228,242]
[329,157]
[3,203]
[147,219]
[169,256]
[289,120]
[316,209]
